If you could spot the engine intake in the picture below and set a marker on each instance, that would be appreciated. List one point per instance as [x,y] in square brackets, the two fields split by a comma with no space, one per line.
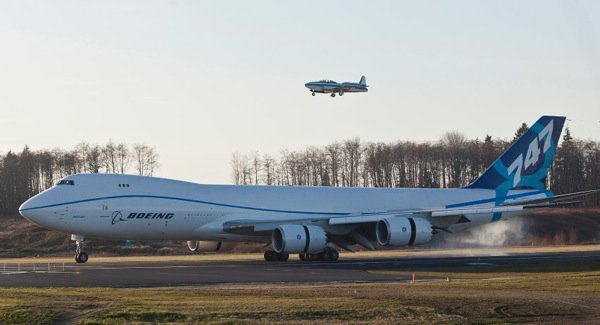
[299,239]
[402,231]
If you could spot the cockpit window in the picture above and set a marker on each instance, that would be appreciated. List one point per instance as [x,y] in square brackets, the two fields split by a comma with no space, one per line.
[66,182]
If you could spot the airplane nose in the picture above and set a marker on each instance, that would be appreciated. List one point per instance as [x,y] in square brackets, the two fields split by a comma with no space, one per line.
[36,210]
[26,208]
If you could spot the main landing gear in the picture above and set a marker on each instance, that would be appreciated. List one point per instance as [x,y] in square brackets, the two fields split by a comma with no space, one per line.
[327,255]
[80,257]
[273,256]
[332,95]
[313,93]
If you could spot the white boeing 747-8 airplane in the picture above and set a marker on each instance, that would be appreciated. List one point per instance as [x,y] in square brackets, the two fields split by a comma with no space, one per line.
[310,221]
[332,87]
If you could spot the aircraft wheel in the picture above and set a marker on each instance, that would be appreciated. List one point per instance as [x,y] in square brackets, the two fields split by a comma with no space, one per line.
[81,257]
[333,255]
[269,256]
[283,257]
[313,94]
[332,95]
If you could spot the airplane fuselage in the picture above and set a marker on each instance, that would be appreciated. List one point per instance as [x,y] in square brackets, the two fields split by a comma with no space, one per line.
[134,207]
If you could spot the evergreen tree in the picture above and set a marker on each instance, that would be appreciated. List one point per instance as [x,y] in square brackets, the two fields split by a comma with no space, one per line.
[568,171]
[520,131]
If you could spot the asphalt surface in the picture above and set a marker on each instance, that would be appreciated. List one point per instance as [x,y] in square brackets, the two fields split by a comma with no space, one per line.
[186,273]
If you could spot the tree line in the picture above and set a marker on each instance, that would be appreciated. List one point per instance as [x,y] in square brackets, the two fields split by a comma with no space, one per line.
[452,161]
[27,173]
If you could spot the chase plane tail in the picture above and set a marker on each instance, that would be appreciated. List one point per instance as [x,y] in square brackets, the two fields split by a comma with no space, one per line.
[363,81]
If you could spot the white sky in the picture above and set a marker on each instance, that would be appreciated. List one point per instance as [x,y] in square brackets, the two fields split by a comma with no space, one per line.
[201,80]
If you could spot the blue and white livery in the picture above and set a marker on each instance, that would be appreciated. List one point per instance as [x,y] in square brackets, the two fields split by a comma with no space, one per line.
[311,221]
[332,87]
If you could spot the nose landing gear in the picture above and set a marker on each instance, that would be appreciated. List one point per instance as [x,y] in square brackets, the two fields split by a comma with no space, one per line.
[80,256]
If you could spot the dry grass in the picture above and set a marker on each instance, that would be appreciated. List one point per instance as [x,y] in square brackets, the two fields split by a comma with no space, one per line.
[492,297]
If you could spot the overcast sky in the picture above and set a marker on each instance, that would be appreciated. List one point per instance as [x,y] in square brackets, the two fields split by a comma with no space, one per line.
[200,80]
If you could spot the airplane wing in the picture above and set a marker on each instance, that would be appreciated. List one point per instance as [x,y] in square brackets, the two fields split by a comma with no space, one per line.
[436,213]
[259,227]
[561,200]
[348,230]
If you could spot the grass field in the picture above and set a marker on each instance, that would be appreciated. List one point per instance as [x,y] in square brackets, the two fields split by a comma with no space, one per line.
[489,295]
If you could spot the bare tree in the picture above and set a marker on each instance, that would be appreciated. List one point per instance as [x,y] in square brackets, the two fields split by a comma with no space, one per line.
[81,151]
[151,161]
[108,157]
[333,151]
[456,149]
[239,165]
[94,162]
[256,163]
[268,169]
[122,157]
[146,159]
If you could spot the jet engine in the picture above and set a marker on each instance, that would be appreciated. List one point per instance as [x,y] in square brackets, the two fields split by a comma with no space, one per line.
[201,246]
[402,231]
[299,239]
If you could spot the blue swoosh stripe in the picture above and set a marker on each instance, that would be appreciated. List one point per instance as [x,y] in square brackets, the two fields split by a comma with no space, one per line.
[187,200]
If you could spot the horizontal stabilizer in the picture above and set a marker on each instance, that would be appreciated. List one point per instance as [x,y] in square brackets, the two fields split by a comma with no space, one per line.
[553,205]
[555,198]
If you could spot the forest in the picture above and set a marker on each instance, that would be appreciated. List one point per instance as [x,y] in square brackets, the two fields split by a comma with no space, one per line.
[452,161]
[28,172]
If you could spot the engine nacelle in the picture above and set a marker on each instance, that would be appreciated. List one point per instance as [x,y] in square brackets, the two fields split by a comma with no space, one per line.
[402,231]
[299,239]
[209,246]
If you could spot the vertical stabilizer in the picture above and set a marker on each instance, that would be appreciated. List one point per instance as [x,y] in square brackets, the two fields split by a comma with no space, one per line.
[363,81]
[525,164]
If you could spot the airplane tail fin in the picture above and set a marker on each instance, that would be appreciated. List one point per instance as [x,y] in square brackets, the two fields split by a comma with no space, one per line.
[363,81]
[525,164]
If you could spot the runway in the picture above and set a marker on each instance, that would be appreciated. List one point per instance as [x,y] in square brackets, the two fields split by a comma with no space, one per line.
[194,273]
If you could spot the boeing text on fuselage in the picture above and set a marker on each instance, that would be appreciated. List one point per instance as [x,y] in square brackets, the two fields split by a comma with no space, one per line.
[332,87]
[314,222]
